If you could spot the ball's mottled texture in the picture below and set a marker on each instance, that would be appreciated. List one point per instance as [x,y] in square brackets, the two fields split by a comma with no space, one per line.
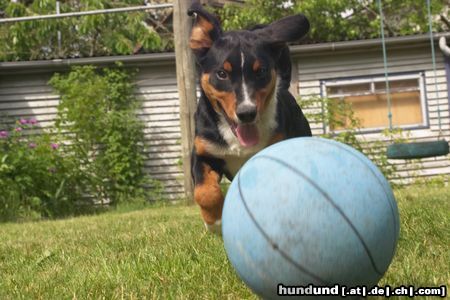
[309,211]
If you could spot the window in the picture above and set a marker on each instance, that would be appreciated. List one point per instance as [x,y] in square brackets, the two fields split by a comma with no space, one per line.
[369,101]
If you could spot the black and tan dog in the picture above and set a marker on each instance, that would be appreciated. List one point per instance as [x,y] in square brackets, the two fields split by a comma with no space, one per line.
[244,105]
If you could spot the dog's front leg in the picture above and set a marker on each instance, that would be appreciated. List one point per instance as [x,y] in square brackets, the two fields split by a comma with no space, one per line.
[207,173]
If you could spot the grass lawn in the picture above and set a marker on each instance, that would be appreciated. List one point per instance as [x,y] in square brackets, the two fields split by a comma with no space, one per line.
[164,253]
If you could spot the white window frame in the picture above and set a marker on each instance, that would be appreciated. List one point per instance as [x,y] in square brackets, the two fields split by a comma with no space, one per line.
[375,79]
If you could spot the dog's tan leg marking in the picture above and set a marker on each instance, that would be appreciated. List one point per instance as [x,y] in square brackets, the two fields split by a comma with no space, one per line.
[209,197]
[200,146]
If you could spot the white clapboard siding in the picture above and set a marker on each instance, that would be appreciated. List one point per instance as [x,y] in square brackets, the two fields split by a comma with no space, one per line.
[29,95]
[313,68]
[306,90]
[366,63]
[157,89]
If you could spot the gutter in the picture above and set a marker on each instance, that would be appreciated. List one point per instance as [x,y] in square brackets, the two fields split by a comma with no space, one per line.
[353,46]
[154,59]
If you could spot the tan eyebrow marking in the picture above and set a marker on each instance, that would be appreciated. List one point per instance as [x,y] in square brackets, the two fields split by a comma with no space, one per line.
[227,66]
[256,65]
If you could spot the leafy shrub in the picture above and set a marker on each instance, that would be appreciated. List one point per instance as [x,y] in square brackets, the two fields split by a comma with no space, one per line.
[94,156]
[97,116]
[35,178]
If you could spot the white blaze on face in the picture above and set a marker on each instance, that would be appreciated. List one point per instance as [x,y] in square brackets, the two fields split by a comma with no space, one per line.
[247,100]
[247,134]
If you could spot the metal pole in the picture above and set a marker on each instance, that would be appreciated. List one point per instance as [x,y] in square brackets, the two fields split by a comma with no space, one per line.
[86,13]
[58,12]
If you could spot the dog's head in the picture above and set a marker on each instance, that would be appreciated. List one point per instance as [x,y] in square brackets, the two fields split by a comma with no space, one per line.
[240,71]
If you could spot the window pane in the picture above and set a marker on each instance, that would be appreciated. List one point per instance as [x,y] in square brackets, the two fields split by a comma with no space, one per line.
[372,110]
[349,89]
[406,108]
[397,85]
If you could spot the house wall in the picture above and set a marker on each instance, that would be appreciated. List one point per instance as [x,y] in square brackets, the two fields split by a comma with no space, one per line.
[313,68]
[28,95]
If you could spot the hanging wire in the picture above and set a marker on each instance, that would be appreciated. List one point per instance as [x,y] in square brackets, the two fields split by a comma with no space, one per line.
[433,58]
[86,13]
[386,76]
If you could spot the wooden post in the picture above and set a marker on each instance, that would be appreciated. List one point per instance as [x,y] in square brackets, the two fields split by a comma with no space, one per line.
[185,65]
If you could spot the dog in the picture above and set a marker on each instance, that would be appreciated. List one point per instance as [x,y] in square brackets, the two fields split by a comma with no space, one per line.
[244,104]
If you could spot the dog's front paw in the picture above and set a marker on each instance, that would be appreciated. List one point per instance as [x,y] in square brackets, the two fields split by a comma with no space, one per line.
[215,228]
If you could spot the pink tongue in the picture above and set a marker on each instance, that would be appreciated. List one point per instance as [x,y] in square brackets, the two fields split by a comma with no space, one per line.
[247,135]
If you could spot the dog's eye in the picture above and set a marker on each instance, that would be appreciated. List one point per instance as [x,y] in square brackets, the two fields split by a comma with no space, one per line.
[261,72]
[222,75]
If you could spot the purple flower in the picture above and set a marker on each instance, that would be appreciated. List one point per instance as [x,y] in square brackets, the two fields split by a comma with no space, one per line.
[32,121]
[23,121]
[18,129]
[32,145]
[3,134]
[54,146]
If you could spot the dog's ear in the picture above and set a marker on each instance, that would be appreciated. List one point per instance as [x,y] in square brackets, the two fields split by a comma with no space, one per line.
[288,29]
[205,30]
[276,36]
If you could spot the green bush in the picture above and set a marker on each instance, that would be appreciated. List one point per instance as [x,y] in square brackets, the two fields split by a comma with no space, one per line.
[97,117]
[94,156]
[35,179]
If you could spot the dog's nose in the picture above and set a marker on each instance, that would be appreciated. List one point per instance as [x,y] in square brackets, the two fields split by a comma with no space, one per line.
[246,114]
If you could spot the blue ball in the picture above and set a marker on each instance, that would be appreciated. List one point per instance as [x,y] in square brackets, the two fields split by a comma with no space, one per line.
[309,211]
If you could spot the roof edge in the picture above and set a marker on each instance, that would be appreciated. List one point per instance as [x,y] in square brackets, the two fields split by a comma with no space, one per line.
[157,59]
[358,44]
